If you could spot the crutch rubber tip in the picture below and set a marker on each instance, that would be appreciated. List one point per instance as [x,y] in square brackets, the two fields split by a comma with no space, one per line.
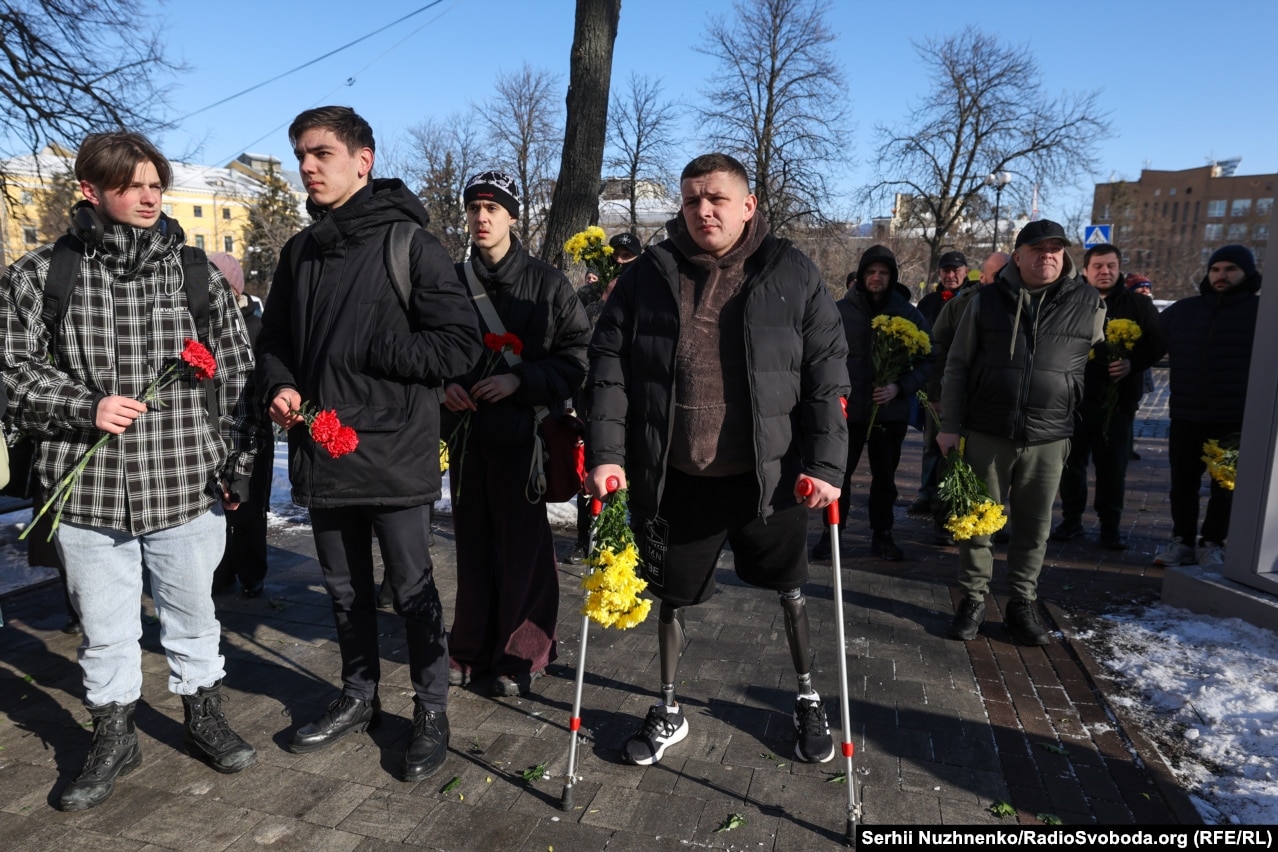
[849,834]
[565,801]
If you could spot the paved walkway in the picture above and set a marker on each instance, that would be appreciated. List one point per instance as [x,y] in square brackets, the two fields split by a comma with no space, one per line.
[942,730]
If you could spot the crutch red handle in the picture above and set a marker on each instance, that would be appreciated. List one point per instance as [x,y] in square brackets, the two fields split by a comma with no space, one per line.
[804,488]
[574,724]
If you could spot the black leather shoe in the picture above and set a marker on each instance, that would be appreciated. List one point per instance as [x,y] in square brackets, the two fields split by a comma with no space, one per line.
[882,545]
[1068,529]
[575,556]
[922,505]
[429,746]
[114,754]
[1021,620]
[821,550]
[1113,539]
[253,591]
[385,597]
[344,716]
[72,627]
[968,620]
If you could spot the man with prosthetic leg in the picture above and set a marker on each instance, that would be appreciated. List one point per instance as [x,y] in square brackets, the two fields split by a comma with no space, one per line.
[713,430]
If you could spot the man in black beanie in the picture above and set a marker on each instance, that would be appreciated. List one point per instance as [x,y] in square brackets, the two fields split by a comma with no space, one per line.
[1209,339]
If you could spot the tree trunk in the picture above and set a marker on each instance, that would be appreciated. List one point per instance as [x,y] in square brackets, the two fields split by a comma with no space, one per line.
[575,203]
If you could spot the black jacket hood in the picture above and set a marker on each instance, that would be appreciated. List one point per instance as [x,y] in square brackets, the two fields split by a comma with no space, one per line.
[382,201]
[880,254]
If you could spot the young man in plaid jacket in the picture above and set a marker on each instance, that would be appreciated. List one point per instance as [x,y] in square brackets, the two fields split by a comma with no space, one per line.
[154,494]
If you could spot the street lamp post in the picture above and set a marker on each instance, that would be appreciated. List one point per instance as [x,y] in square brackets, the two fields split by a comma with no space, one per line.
[998,180]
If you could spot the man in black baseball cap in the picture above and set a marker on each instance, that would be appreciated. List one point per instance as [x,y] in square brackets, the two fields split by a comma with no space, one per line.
[625,248]
[1020,351]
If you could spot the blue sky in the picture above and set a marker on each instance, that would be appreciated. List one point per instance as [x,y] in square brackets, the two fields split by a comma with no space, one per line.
[1183,81]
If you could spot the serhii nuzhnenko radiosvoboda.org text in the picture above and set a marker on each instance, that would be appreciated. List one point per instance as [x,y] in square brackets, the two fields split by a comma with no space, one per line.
[1046,836]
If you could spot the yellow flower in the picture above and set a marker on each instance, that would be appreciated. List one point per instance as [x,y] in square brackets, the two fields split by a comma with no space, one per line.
[443,456]
[613,585]
[1120,337]
[1222,461]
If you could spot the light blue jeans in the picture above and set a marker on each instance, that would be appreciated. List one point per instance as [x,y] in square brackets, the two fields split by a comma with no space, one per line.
[104,577]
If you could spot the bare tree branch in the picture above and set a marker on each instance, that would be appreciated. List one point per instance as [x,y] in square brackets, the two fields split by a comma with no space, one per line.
[73,67]
[523,120]
[986,113]
[445,153]
[641,129]
[781,107]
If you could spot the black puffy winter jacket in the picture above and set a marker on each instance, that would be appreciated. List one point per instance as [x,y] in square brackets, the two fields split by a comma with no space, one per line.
[1209,340]
[536,303]
[795,349]
[335,329]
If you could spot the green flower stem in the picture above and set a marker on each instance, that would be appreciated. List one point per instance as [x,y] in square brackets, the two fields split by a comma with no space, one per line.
[62,490]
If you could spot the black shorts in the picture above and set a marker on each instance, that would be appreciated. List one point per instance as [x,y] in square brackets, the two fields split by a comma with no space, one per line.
[681,546]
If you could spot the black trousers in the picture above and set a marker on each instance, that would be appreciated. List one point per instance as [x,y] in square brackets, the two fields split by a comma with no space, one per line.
[884,442]
[344,543]
[1110,450]
[245,556]
[1185,442]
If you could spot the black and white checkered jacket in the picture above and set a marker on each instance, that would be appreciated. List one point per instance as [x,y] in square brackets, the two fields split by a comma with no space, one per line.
[126,321]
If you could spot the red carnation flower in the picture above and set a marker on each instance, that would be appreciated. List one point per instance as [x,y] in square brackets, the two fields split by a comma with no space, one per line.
[200,359]
[325,426]
[345,441]
[493,341]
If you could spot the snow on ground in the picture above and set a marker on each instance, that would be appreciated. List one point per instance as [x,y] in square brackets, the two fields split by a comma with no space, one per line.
[1206,690]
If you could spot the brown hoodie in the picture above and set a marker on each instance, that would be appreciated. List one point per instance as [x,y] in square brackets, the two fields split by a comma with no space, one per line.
[713,431]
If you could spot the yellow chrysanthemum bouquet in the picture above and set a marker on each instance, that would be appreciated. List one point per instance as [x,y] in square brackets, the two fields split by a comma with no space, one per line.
[1222,460]
[897,346]
[443,456]
[613,584]
[1121,336]
[969,509]
[590,247]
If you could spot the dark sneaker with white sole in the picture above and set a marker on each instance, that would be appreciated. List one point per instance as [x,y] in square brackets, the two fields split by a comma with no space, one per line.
[814,743]
[664,726]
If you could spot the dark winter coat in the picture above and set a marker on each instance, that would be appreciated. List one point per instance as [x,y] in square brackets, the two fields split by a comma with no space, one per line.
[1015,370]
[1121,303]
[536,303]
[335,329]
[930,305]
[858,309]
[795,349]
[1209,340]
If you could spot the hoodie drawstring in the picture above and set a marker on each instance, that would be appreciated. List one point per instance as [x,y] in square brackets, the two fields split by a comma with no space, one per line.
[1021,296]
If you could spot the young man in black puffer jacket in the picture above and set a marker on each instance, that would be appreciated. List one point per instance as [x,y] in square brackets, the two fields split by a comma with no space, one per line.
[507,576]
[716,372]
[874,290]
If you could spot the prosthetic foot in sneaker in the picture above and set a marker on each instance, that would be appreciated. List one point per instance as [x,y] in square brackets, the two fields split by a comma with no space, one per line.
[663,727]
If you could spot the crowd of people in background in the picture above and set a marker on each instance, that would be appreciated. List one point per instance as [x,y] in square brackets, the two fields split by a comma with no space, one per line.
[720,382]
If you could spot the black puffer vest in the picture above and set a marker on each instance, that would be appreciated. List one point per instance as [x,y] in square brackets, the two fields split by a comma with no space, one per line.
[1027,377]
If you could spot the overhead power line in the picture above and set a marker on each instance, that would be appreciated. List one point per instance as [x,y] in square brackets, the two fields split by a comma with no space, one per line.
[311,62]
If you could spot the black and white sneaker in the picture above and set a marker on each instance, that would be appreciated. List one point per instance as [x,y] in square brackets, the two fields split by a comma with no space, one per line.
[814,743]
[664,726]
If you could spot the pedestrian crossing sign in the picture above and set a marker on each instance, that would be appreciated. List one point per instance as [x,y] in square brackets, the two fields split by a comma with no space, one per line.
[1094,235]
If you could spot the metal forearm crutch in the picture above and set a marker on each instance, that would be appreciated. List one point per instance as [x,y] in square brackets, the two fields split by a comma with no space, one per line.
[574,724]
[804,489]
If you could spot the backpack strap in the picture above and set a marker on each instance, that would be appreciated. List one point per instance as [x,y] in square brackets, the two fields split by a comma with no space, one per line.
[399,240]
[195,284]
[59,284]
